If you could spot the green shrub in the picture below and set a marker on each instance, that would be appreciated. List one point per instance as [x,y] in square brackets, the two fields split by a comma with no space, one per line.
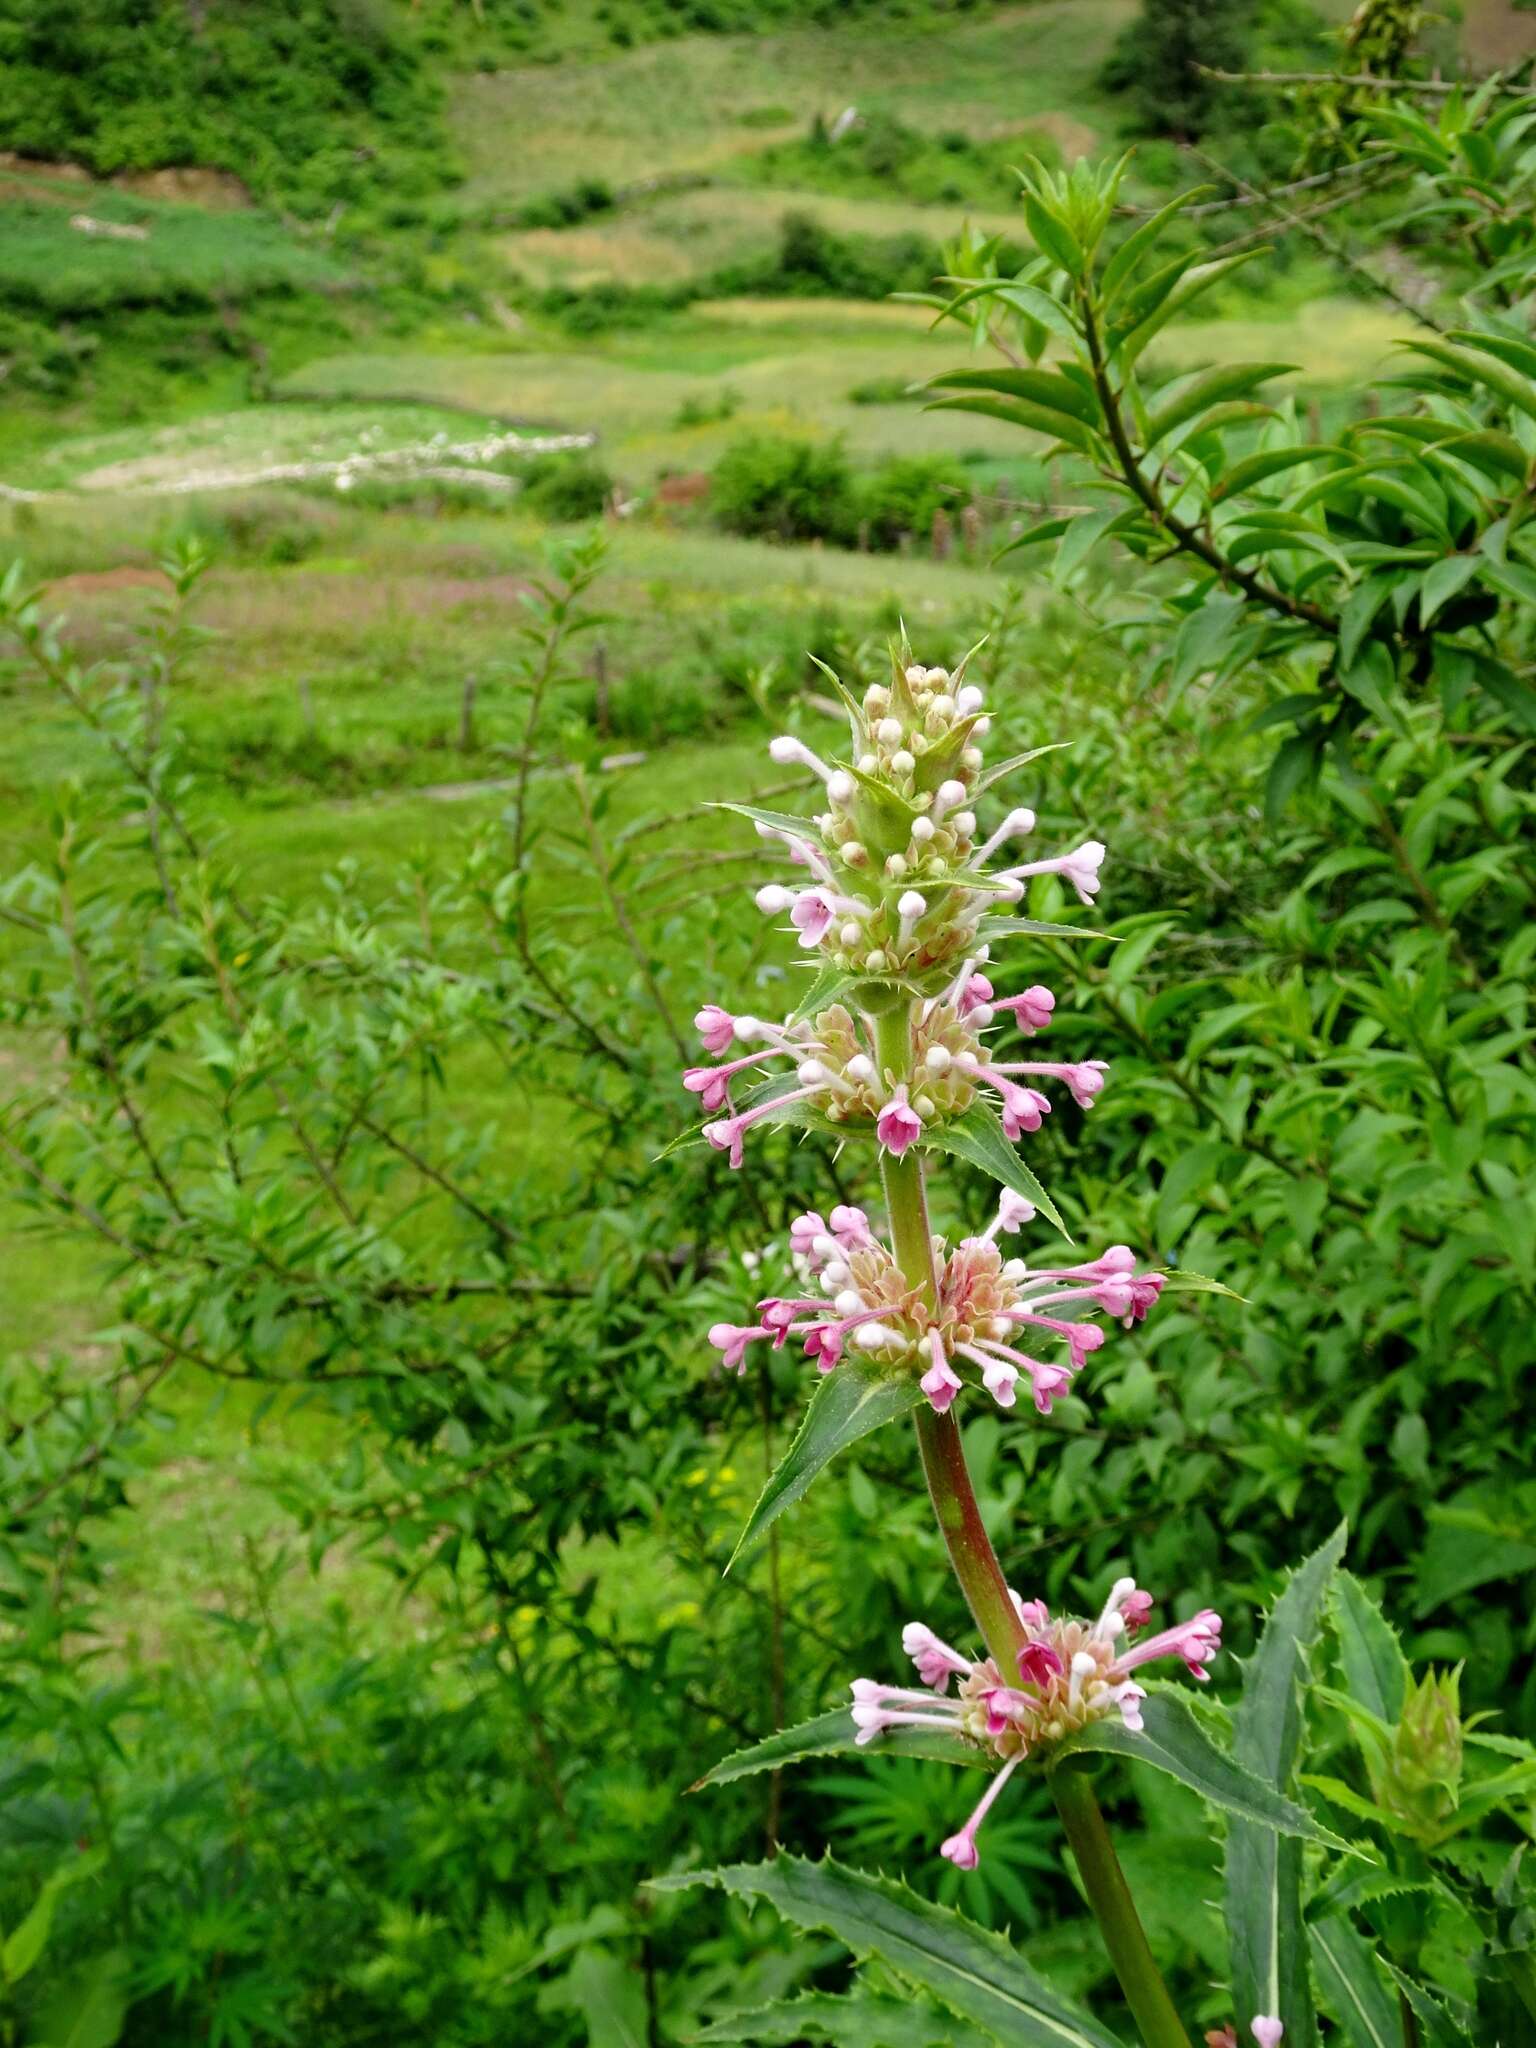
[901,497]
[565,488]
[784,489]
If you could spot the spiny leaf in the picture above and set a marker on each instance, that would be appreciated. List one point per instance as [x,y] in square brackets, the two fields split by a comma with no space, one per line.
[854,1398]
[862,2019]
[978,1138]
[1352,1985]
[832,1733]
[976,1973]
[1375,1669]
[1263,1910]
[1173,1741]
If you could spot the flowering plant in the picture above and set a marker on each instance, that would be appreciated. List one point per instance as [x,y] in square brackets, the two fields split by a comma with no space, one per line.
[903,897]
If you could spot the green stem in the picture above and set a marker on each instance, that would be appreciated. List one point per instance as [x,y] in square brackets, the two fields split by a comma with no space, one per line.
[1115,1909]
[986,1591]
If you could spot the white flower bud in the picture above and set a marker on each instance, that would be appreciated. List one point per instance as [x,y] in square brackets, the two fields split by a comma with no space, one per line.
[917,676]
[937,675]
[980,1016]
[968,700]
[902,763]
[1016,1269]
[982,727]
[938,1059]
[786,750]
[971,757]
[869,764]
[876,962]
[850,934]
[836,1274]
[849,1302]
[855,855]
[771,899]
[870,1337]
[911,906]
[1000,1327]
[812,1073]
[889,732]
[860,1068]
[840,787]
[896,866]
[923,830]
[924,1105]
[943,707]
[963,822]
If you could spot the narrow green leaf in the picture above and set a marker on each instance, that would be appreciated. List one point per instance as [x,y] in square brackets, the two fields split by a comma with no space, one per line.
[1265,1935]
[1375,1669]
[1136,245]
[833,1733]
[29,1937]
[89,2007]
[1040,387]
[779,821]
[1442,582]
[1437,2028]
[1018,412]
[1515,390]
[1209,387]
[862,2019]
[1038,928]
[977,1137]
[1508,691]
[610,1997]
[1179,1280]
[1296,763]
[1052,236]
[1352,1986]
[853,1399]
[976,1973]
[1197,281]
[1256,469]
[1174,1742]
[1358,615]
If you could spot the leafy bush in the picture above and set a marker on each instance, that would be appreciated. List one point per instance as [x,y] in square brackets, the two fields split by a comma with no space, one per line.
[565,488]
[784,489]
[897,500]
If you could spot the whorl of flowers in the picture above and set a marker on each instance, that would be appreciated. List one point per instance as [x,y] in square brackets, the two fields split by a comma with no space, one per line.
[984,1307]
[1070,1672]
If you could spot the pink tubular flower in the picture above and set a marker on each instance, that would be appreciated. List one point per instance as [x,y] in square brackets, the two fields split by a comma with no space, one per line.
[935,1660]
[713,1084]
[803,1233]
[850,1227]
[961,1849]
[1080,867]
[716,1027]
[824,1344]
[976,994]
[1024,1109]
[732,1339]
[1031,1010]
[898,1124]
[810,914]
[1197,1641]
[940,1383]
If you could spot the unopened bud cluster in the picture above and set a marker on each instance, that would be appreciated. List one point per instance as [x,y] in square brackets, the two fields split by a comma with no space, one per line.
[899,884]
